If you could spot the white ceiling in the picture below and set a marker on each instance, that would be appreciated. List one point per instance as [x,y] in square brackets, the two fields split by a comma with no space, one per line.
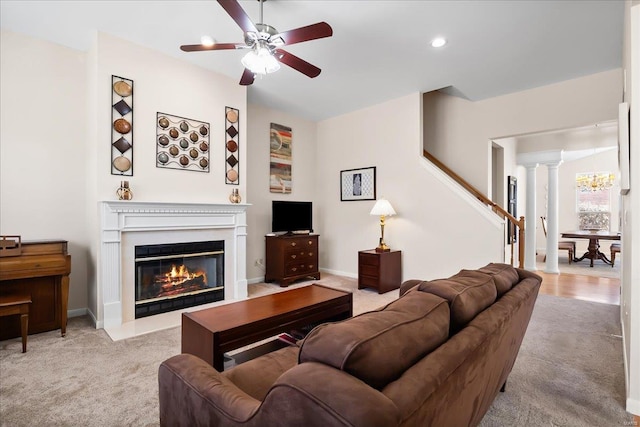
[379,50]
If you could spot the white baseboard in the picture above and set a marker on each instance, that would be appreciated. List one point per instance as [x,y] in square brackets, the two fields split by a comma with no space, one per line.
[322,270]
[633,406]
[255,280]
[98,325]
[77,312]
[339,273]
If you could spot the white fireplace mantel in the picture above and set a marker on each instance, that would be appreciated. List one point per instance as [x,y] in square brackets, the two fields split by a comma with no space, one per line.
[151,222]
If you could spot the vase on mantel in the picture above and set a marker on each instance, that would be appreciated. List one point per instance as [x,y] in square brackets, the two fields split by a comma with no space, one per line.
[124,192]
[235,196]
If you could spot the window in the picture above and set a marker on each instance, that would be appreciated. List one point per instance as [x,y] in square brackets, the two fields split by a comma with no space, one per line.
[593,200]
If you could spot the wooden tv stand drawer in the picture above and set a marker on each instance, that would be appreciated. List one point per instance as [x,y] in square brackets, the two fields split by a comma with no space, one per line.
[291,257]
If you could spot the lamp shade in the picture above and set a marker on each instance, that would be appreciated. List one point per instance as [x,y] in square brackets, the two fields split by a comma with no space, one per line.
[260,61]
[382,207]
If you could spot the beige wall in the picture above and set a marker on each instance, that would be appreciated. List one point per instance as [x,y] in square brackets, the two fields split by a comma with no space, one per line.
[304,148]
[459,132]
[168,85]
[435,227]
[55,141]
[42,148]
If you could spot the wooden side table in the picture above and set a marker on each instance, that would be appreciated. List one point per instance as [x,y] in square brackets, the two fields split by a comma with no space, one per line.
[379,270]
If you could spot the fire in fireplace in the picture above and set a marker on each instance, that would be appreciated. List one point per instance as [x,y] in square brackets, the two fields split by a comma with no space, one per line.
[178,275]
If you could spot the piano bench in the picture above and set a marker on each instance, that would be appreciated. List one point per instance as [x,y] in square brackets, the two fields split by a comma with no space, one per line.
[11,304]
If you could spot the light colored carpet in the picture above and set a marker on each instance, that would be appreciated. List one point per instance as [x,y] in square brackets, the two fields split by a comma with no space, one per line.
[569,371]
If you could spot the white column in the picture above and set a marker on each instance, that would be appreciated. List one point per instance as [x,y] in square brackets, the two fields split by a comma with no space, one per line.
[552,159]
[530,219]
[552,220]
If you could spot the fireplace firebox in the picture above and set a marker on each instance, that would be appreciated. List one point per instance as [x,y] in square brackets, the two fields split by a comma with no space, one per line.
[178,275]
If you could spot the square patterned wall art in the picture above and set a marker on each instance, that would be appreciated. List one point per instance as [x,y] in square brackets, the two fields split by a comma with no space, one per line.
[121,126]
[358,184]
[182,143]
[280,158]
[232,146]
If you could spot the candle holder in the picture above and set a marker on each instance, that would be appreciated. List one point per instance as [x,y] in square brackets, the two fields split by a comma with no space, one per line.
[124,192]
[234,197]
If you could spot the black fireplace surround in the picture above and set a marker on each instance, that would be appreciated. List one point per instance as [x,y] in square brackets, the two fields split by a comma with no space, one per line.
[178,275]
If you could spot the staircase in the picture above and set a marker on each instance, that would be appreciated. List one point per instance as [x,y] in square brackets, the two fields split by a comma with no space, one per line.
[512,222]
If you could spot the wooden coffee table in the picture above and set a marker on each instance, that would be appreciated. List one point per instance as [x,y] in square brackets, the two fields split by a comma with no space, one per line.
[210,333]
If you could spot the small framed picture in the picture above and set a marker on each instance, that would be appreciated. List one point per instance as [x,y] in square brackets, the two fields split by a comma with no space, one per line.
[358,184]
[623,146]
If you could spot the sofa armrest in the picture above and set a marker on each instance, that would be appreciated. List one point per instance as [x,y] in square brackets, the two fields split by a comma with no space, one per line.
[193,393]
[523,274]
[407,285]
[314,394]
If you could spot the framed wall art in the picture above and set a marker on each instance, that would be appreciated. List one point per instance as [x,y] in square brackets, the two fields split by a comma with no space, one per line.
[512,203]
[280,138]
[358,184]
[121,126]
[182,143]
[232,146]
[623,146]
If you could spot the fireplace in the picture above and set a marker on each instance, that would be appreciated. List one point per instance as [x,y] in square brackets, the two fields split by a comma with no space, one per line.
[127,224]
[177,275]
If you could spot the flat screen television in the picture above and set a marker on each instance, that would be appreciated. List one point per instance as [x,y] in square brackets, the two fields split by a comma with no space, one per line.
[291,216]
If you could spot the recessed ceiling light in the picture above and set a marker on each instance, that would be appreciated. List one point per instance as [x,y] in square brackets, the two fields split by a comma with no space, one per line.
[438,42]
[207,41]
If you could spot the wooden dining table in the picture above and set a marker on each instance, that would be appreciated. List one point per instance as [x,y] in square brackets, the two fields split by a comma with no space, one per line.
[594,236]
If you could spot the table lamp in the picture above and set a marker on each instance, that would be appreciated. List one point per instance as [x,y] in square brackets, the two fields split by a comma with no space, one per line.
[383,209]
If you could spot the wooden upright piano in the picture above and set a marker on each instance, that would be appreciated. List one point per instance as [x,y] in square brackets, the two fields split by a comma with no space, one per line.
[42,269]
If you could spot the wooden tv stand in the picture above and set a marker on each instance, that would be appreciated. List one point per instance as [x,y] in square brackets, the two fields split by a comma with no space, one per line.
[290,257]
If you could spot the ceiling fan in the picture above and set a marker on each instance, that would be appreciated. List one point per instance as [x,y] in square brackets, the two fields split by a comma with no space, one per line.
[265,44]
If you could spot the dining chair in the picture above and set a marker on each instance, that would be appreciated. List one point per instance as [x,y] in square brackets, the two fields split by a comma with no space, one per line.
[615,249]
[564,245]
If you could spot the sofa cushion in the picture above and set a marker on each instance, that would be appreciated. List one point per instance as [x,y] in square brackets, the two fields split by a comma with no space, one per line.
[378,346]
[468,292]
[504,276]
[256,376]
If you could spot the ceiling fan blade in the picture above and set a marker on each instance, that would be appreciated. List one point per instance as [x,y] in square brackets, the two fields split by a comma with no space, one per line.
[247,78]
[296,63]
[232,7]
[217,46]
[303,34]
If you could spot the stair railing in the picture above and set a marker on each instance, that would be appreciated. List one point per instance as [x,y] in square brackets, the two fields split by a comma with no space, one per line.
[512,222]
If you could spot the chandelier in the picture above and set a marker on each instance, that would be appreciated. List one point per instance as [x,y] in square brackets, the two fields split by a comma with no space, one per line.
[594,182]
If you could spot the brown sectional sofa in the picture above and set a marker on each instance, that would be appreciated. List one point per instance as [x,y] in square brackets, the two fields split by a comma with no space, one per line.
[438,355]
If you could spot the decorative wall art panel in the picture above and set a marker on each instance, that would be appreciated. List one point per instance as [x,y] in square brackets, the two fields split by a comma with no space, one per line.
[121,126]
[232,146]
[358,184]
[182,143]
[280,139]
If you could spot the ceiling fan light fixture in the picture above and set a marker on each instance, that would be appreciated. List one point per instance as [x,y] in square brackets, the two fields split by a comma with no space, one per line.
[260,61]
[207,41]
